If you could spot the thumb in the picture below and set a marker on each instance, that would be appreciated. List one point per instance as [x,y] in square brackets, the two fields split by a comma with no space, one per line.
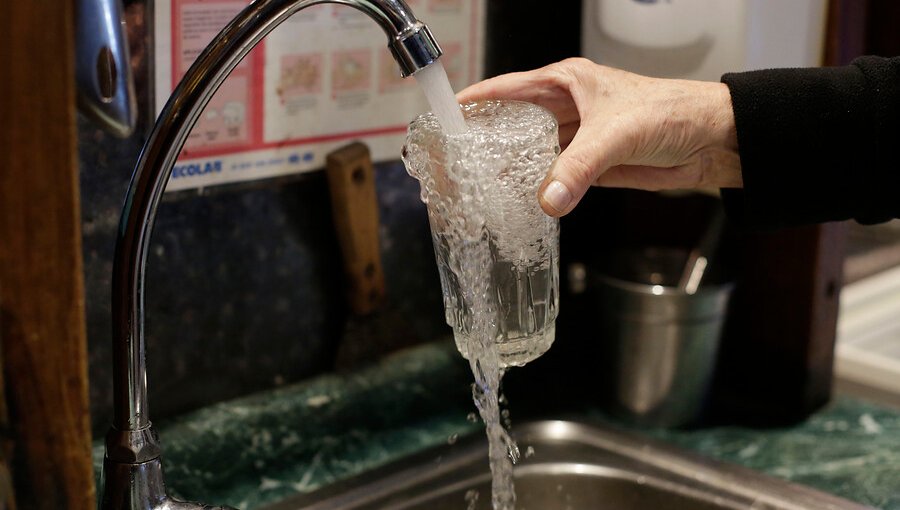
[571,175]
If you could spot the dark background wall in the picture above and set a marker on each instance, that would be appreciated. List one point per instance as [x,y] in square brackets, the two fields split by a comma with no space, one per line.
[527,34]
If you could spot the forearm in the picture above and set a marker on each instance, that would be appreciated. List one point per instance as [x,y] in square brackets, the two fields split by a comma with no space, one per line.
[817,144]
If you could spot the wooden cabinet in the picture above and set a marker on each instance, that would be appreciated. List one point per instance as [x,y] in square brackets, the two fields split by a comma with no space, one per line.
[41,289]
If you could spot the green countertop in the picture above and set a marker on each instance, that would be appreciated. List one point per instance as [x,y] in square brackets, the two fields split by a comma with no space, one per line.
[261,448]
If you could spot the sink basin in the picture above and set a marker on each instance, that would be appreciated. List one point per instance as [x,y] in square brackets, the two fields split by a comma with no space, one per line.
[575,466]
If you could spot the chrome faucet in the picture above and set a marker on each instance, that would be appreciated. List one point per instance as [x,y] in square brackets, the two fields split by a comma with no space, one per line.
[132,471]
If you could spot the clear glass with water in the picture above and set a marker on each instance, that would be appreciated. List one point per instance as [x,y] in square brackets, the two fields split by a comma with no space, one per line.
[497,252]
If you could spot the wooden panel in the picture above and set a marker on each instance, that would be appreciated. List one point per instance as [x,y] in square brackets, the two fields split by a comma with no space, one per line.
[351,181]
[882,36]
[7,494]
[41,282]
[845,38]
[777,353]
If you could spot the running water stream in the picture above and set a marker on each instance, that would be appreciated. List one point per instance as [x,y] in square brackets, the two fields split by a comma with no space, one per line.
[434,83]
[475,285]
[462,169]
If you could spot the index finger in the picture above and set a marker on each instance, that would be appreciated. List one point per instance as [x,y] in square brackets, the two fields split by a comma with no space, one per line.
[518,86]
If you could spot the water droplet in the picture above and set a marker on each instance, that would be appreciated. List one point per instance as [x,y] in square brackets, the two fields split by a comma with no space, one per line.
[512,449]
[472,417]
[471,499]
[452,438]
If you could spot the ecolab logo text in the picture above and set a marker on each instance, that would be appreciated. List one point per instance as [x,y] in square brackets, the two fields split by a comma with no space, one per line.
[192,169]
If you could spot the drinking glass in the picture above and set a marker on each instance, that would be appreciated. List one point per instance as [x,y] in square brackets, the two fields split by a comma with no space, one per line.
[497,252]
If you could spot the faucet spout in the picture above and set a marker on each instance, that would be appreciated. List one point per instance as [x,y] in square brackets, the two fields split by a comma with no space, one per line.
[410,40]
[131,443]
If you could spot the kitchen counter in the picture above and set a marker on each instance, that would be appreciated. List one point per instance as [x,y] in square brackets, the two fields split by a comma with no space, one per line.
[849,448]
[261,448]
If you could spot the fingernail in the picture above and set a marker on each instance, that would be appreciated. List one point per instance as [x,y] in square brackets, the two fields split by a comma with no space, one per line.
[557,195]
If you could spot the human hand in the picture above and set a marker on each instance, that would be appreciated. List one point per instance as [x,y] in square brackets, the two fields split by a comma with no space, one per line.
[619,129]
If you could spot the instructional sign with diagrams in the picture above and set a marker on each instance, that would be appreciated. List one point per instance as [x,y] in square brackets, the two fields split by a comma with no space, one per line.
[323,78]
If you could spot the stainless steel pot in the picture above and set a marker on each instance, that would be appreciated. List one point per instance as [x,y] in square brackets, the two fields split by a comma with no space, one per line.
[659,343]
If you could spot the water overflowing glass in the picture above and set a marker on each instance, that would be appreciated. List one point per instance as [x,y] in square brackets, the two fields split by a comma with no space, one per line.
[497,252]
[492,241]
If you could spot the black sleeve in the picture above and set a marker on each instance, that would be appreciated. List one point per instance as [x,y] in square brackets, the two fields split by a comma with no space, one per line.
[818,144]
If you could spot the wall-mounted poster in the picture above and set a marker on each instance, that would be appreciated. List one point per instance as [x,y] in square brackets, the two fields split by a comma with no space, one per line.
[323,78]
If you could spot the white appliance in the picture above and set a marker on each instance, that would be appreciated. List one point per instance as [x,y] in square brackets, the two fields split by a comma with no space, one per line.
[703,39]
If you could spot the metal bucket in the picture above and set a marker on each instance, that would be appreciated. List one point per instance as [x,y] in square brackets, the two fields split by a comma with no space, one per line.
[659,343]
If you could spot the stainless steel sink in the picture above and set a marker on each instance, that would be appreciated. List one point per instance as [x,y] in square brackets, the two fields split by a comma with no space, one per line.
[574,467]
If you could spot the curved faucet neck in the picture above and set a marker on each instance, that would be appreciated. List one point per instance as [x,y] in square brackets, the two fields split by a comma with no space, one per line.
[132,470]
